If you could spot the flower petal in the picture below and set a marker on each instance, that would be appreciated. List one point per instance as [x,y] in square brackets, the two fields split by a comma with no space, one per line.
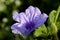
[30,12]
[14,30]
[37,12]
[39,20]
[23,17]
[16,16]
[18,28]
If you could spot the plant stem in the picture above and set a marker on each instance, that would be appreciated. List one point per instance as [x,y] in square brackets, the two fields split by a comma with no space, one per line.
[58,10]
[55,37]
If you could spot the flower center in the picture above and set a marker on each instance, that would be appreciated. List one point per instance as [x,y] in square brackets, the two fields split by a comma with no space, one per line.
[30,26]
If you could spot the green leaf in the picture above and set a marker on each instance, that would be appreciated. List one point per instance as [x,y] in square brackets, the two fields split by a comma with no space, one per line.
[58,25]
[58,18]
[58,12]
[52,16]
[52,29]
[41,31]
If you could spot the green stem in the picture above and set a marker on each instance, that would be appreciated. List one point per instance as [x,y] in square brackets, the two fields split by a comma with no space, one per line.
[58,10]
[55,37]
[29,37]
[17,37]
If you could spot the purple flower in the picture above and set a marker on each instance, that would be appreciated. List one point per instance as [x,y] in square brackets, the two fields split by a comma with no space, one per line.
[28,21]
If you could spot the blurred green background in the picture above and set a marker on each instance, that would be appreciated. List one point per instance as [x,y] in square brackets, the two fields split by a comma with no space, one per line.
[8,6]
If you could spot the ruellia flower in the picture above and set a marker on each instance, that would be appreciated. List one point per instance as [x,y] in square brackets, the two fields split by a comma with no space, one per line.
[28,21]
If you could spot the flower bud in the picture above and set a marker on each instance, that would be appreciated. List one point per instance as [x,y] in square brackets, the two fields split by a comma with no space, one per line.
[5,20]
